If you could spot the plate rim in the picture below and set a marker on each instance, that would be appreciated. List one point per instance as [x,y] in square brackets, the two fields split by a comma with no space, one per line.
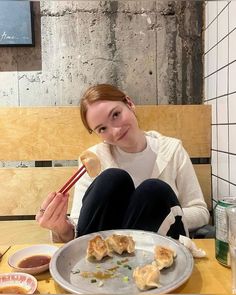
[166,289]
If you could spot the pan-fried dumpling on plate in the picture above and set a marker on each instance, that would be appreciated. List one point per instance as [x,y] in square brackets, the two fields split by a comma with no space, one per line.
[147,276]
[164,256]
[120,243]
[97,249]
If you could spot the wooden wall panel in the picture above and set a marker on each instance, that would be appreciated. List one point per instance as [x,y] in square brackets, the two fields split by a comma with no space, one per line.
[190,123]
[42,134]
[56,133]
[22,190]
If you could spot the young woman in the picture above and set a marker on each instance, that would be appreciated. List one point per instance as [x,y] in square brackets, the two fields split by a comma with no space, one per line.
[147,180]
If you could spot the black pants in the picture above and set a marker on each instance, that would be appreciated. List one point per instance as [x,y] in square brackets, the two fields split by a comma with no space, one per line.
[112,202]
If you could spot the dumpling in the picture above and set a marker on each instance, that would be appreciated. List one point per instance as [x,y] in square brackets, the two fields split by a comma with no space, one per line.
[97,249]
[120,243]
[147,276]
[91,163]
[164,256]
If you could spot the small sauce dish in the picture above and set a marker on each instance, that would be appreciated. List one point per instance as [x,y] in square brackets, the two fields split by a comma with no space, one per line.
[17,283]
[32,260]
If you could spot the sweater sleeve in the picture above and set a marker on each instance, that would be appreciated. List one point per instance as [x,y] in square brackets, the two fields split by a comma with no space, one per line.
[189,190]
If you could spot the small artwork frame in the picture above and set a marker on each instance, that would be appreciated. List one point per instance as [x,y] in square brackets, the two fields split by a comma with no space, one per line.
[16,23]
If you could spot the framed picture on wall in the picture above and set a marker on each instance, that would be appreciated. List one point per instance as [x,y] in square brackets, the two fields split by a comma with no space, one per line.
[16,23]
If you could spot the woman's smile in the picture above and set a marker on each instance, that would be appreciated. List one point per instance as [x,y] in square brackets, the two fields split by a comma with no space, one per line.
[123,135]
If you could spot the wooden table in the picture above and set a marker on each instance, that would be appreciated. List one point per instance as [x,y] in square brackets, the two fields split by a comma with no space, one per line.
[208,277]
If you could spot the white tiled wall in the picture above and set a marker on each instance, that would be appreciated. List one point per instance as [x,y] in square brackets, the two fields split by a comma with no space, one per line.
[220,92]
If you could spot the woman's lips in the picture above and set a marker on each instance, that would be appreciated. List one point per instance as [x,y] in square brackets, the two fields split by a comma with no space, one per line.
[122,136]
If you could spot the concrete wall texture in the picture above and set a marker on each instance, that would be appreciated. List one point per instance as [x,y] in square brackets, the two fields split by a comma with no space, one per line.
[150,49]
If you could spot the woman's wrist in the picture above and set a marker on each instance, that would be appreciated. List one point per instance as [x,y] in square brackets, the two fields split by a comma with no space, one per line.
[65,236]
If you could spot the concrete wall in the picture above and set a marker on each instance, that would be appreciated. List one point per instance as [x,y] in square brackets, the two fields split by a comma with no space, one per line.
[151,49]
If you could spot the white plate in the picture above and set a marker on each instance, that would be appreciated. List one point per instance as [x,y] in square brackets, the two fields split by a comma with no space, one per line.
[11,282]
[71,258]
[17,257]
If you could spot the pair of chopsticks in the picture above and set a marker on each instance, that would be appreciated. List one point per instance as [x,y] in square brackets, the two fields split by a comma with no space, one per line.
[72,180]
[1,254]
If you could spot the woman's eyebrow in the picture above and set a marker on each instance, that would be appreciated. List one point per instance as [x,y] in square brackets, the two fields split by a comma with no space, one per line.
[109,115]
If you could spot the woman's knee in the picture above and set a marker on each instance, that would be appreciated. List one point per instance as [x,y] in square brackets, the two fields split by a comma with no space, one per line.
[111,184]
[113,176]
[157,191]
[156,186]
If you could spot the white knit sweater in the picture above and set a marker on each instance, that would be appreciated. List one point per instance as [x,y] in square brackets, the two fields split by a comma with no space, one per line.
[172,165]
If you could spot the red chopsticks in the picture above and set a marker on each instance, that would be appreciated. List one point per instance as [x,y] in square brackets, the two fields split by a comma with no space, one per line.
[71,181]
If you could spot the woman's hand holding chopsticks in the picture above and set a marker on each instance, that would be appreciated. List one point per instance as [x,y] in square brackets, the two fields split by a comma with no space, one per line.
[53,211]
[52,215]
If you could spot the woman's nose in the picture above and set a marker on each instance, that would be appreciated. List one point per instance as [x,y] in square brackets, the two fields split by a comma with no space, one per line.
[116,131]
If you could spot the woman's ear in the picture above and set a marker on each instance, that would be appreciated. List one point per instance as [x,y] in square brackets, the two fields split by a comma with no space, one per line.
[129,103]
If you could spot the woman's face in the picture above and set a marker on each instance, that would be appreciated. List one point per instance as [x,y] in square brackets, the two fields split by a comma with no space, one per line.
[114,122]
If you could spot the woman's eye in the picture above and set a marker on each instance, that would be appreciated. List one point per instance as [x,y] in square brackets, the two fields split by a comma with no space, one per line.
[116,114]
[101,130]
